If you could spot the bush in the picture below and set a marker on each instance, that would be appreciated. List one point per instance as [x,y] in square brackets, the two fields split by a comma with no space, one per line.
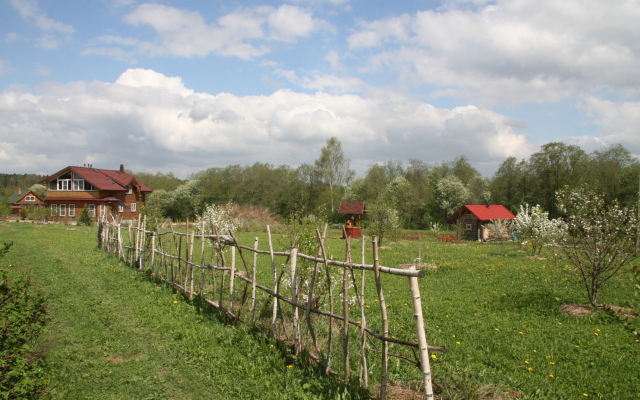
[85,217]
[22,316]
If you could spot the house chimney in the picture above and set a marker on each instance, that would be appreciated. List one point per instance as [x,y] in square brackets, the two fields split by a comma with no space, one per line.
[19,192]
[122,168]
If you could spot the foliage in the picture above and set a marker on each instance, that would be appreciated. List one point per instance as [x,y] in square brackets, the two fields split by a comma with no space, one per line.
[185,201]
[85,218]
[498,229]
[533,227]
[5,211]
[601,239]
[452,194]
[22,317]
[383,219]
[220,217]
[24,213]
[333,167]
[39,190]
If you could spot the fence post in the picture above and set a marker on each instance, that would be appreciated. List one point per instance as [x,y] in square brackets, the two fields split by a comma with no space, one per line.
[345,310]
[385,321]
[364,371]
[253,280]
[422,338]
[294,298]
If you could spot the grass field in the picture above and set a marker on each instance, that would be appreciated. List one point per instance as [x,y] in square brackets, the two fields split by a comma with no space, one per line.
[114,334]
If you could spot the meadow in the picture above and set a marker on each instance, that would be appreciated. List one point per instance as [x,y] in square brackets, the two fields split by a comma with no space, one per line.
[113,333]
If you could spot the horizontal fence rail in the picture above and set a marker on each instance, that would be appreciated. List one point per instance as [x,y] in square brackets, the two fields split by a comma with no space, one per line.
[294,279]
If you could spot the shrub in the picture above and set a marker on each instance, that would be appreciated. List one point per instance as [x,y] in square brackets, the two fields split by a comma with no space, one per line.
[85,217]
[22,316]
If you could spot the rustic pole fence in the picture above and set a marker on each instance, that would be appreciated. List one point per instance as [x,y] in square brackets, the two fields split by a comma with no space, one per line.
[177,267]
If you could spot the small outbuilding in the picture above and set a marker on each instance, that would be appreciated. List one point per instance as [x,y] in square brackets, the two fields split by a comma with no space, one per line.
[475,218]
[353,212]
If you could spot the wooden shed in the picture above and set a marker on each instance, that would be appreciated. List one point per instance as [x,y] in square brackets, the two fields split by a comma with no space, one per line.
[475,219]
[353,212]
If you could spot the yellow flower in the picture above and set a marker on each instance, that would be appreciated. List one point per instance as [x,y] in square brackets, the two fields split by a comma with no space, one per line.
[457,342]
[289,366]
[551,376]
[175,302]
[526,362]
[585,395]
[522,333]
[434,356]
[530,369]
[552,363]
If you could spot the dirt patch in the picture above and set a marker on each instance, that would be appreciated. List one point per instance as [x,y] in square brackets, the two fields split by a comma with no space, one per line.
[581,310]
[114,359]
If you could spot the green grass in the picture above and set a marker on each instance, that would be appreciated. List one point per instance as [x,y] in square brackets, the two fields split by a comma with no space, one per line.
[114,334]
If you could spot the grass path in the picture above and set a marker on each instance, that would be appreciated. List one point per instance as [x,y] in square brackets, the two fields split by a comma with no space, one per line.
[115,335]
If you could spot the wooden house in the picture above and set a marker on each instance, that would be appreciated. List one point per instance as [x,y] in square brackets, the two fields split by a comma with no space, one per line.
[102,191]
[28,201]
[353,212]
[475,218]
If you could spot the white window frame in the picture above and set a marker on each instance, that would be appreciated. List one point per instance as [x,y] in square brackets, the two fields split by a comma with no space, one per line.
[92,210]
[129,189]
[78,184]
[72,210]
[64,184]
[30,198]
[103,210]
[133,207]
[54,210]
[63,210]
[120,208]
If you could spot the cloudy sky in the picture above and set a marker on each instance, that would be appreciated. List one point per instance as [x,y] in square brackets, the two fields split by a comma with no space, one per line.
[184,85]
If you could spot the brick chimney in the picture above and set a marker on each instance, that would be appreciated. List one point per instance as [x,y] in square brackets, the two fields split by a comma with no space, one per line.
[122,168]
[19,192]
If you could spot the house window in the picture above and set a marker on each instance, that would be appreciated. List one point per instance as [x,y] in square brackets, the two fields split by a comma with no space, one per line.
[72,210]
[468,227]
[63,184]
[30,198]
[54,210]
[63,210]
[133,207]
[78,184]
[88,186]
[103,210]
[92,210]
[129,189]
[120,208]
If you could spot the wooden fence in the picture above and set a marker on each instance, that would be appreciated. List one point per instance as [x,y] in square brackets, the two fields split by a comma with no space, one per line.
[215,278]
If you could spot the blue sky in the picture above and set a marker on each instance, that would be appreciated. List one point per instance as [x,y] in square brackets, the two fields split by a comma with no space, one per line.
[182,86]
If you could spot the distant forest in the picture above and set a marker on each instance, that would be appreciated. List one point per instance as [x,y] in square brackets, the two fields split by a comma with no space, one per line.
[422,193]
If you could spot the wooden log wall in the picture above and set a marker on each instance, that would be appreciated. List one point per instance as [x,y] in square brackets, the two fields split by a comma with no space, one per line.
[169,257]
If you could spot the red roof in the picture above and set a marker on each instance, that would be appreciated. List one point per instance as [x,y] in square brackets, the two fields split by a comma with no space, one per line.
[483,212]
[103,179]
[351,207]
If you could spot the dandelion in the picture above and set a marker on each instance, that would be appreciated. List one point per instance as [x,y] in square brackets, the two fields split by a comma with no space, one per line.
[522,333]
[597,334]
[559,323]
[175,302]
[497,329]
[530,369]
[552,363]
[289,366]
[526,362]
[457,342]
[434,356]
[551,376]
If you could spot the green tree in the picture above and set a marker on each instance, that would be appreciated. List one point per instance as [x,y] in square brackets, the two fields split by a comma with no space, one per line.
[382,217]
[39,190]
[333,168]
[534,228]
[452,194]
[601,240]
[85,218]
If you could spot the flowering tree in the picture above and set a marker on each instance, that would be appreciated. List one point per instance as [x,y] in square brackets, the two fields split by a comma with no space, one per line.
[601,239]
[221,217]
[533,227]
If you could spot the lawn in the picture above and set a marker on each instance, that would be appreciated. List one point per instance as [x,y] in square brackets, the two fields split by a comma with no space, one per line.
[115,334]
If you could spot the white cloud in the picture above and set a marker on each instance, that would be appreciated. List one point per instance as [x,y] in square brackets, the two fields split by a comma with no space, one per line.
[55,31]
[148,121]
[244,33]
[620,121]
[513,50]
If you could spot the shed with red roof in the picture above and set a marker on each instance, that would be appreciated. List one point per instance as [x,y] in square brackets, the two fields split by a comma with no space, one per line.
[475,218]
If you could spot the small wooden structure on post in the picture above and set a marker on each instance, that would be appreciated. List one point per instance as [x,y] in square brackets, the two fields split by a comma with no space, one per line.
[353,211]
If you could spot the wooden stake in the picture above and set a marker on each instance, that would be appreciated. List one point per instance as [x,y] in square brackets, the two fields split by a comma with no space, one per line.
[345,311]
[385,321]
[254,280]
[275,284]
[422,337]
[364,371]
[231,277]
[294,297]
[329,285]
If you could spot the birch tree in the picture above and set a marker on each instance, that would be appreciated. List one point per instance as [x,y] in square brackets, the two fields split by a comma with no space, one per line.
[333,167]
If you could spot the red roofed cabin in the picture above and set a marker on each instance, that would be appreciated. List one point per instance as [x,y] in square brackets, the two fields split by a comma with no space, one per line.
[353,210]
[101,190]
[475,219]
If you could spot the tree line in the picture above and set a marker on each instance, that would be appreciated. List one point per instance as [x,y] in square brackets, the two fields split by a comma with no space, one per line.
[419,194]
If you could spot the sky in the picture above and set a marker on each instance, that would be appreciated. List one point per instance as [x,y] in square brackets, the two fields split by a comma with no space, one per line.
[184,85]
